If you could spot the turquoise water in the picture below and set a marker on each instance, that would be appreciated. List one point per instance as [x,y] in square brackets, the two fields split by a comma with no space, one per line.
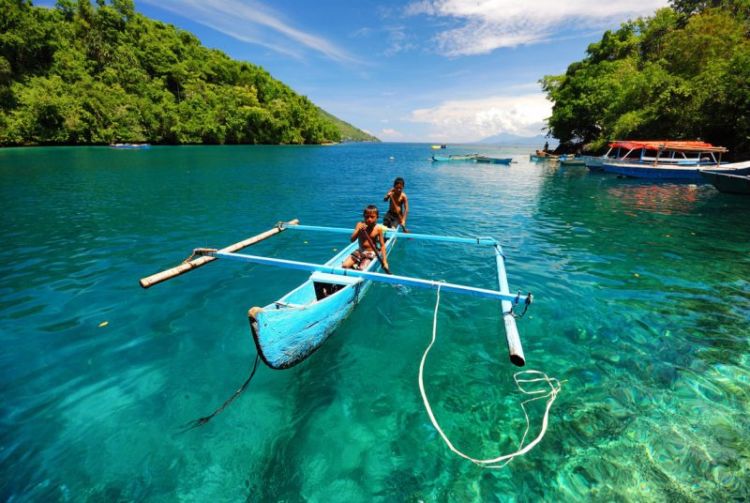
[642,308]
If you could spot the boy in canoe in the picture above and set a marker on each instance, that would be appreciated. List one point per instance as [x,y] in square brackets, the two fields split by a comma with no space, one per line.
[369,233]
[398,205]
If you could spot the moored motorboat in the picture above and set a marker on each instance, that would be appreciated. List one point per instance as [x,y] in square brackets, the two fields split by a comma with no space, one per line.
[666,160]
[493,160]
[646,152]
[731,181]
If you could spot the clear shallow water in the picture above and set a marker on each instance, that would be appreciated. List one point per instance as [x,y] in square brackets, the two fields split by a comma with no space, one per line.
[642,306]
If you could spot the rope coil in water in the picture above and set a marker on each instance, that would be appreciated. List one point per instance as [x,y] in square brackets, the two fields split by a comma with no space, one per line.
[520,379]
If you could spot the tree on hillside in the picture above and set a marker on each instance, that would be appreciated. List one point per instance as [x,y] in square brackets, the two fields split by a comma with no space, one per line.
[680,74]
[86,73]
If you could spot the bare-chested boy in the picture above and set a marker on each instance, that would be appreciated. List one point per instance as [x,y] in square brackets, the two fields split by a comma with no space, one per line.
[398,205]
[362,257]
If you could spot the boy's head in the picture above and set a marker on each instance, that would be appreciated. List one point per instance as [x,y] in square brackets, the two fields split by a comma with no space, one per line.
[399,183]
[371,214]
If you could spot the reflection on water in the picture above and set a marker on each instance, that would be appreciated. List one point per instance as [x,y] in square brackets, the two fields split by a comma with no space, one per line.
[642,307]
[666,199]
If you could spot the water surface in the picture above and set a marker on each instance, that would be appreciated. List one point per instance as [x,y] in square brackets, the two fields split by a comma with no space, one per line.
[642,308]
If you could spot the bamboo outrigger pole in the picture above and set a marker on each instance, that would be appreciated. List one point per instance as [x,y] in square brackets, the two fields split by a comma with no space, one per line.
[154,279]
[393,279]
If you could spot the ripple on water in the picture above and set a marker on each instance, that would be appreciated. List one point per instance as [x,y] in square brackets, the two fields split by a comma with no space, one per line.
[641,306]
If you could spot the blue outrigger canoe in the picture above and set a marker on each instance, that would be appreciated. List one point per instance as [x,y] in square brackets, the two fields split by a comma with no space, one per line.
[454,158]
[289,330]
[292,328]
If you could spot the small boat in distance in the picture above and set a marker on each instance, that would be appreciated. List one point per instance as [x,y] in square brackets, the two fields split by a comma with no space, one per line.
[130,145]
[733,181]
[454,158]
[493,160]
[438,147]
[541,155]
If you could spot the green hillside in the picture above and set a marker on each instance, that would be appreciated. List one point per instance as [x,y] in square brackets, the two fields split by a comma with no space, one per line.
[82,74]
[348,132]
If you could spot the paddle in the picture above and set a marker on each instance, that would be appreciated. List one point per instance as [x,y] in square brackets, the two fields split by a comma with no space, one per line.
[375,249]
[398,210]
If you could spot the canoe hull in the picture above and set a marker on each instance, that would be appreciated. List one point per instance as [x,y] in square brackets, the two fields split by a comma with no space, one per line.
[291,329]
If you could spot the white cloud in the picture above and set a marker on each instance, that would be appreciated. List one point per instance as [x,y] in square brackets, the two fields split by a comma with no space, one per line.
[251,21]
[390,134]
[471,120]
[485,25]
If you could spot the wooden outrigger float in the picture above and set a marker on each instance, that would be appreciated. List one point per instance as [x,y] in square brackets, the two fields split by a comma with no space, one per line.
[289,330]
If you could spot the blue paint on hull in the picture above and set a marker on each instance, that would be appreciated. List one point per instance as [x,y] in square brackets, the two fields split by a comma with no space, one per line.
[291,329]
[690,174]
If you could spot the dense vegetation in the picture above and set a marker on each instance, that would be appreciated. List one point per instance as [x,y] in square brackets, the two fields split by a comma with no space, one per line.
[85,74]
[682,74]
[347,131]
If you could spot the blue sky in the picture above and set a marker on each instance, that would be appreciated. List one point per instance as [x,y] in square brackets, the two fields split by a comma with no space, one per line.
[423,70]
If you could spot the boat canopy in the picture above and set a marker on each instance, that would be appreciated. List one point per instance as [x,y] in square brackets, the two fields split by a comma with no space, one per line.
[680,146]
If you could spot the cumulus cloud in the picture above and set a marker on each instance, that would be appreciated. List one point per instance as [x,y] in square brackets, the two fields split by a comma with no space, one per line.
[482,26]
[253,22]
[471,120]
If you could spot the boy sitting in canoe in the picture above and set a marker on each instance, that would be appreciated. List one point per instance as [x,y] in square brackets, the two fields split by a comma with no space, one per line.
[398,205]
[369,233]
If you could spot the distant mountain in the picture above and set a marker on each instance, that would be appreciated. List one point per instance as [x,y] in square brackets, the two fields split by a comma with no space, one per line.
[512,139]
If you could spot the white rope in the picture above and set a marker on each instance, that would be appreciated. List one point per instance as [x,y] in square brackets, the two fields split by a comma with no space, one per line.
[551,395]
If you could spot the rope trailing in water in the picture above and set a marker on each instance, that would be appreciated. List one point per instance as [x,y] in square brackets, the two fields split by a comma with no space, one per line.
[203,420]
[551,395]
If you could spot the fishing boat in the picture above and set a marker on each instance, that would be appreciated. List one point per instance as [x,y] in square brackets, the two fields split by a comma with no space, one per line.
[493,160]
[292,328]
[641,152]
[130,145]
[438,147]
[734,181]
[667,160]
[454,158]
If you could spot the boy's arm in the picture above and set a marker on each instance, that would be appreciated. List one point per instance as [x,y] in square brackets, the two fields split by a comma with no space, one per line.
[406,210]
[388,195]
[357,229]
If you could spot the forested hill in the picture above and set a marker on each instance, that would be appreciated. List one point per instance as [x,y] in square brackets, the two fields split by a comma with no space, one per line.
[682,74]
[96,74]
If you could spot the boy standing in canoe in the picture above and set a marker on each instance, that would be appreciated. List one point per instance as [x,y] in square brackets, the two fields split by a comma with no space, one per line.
[398,205]
[369,233]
